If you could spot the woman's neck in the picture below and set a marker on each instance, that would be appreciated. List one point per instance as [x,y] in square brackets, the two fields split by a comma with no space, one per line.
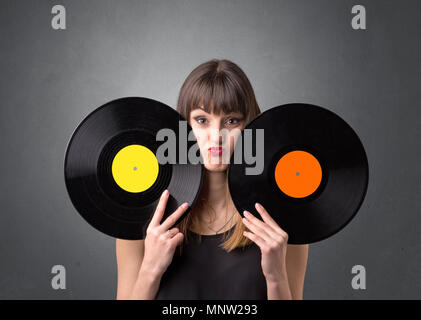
[215,189]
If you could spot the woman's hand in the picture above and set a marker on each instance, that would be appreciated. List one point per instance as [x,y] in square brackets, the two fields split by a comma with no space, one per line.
[272,241]
[161,241]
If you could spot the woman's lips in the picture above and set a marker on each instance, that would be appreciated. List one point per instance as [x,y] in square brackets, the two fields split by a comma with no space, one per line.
[215,150]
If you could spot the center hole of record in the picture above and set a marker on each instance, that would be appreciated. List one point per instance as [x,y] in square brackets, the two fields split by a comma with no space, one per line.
[298,174]
[135,168]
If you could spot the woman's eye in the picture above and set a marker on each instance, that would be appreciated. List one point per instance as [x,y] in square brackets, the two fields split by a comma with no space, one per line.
[233,120]
[200,120]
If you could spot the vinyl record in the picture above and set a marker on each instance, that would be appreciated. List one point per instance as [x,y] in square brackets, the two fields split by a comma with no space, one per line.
[112,173]
[315,172]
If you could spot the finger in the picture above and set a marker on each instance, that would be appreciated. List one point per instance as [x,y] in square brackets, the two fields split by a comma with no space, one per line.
[269,230]
[172,232]
[255,238]
[176,240]
[268,219]
[174,216]
[160,208]
[257,230]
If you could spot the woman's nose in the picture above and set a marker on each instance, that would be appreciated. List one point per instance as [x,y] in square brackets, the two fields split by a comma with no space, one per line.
[215,134]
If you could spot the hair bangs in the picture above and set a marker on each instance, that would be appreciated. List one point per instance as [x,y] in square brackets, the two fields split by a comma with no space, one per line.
[218,96]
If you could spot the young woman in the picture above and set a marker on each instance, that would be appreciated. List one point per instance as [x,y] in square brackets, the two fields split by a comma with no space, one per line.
[222,255]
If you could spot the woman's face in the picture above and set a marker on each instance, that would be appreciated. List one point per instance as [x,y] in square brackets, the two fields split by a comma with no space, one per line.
[216,136]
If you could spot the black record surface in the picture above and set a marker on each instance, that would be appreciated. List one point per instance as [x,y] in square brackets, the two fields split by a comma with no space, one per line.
[340,153]
[91,150]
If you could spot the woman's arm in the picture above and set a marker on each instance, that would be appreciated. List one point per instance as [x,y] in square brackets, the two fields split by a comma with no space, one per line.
[133,281]
[296,262]
[141,263]
[283,265]
[291,285]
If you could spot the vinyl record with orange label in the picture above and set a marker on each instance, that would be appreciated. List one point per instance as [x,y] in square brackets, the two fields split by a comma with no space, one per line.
[112,172]
[314,176]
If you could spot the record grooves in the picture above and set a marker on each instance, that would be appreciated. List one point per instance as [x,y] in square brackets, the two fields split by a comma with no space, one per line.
[111,171]
[315,173]
[314,179]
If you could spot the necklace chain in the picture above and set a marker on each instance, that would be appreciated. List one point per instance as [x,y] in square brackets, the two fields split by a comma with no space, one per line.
[217,231]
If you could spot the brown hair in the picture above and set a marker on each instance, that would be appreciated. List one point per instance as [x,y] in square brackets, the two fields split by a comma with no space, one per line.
[220,86]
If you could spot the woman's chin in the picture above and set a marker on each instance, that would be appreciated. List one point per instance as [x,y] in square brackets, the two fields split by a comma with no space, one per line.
[215,167]
[216,163]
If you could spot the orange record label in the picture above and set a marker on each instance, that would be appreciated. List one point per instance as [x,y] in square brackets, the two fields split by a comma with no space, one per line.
[298,174]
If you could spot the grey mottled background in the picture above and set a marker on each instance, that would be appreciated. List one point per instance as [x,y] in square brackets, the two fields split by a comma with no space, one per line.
[292,51]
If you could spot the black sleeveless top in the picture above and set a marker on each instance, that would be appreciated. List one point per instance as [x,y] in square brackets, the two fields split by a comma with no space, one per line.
[206,271]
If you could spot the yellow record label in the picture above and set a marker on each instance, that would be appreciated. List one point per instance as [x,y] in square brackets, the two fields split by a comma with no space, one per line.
[135,168]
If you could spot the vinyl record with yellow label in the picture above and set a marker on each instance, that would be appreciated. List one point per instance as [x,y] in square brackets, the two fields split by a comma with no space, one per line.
[112,172]
[314,173]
